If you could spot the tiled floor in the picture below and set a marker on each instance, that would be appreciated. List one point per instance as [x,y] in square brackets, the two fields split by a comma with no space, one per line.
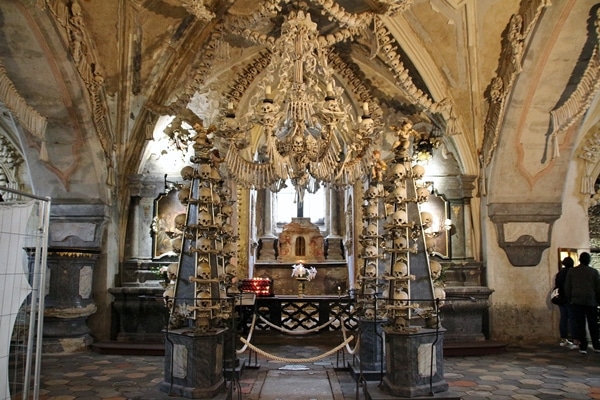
[522,372]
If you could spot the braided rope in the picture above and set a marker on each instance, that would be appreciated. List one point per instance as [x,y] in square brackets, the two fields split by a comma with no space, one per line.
[348,349]
[243,349]
[296,360]
[305,332]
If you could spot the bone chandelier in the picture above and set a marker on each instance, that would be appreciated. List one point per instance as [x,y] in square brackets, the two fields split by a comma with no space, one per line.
[298,126]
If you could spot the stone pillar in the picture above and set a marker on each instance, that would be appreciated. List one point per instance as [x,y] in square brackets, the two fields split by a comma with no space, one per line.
[415,363]
[264,223]
[334,240]
[74,244]
[193,363]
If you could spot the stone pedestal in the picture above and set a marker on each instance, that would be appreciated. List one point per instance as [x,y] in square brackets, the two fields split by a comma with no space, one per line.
[193,363]
[371,362]
[69,301]
[139,314]
[415,363]
[464,313]
[334,248]
[266,250]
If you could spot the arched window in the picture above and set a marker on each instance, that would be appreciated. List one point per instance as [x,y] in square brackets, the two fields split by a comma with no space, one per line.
[300,246]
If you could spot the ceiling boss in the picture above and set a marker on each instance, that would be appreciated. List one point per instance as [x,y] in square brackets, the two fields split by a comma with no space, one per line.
[297,126]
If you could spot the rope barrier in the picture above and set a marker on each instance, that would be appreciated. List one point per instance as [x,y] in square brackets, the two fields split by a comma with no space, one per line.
[289,332]
[348,349]
[297,360]
[243,349]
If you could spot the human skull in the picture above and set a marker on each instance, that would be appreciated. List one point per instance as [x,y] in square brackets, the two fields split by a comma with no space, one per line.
[227,229]
[204,171]
[372,230]
[226,193]
[203,270]
[399,194]
[177,243]
[218,220]
[203,298]
[369,313]
[204,245]
[436,269]
[422,195]
[426,219]
[370,252]
[399,269]
[400,243]
[439,293]
[184,195]
[205,195]
[180,221]
[398,171]
[172,271]
[418,171]
[298,144]
[226,210]
[430,243]
[267,107]
[366,124]
[204,219]
[215,174]
[371,270]
[187,173]
[230,249]
[231,269]
[399,218]
[371,211]
[371,192]
[400,296]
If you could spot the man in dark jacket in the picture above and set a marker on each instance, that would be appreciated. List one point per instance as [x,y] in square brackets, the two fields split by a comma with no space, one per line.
[582,288]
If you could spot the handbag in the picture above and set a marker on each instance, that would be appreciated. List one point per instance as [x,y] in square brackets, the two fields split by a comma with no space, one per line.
[556,298]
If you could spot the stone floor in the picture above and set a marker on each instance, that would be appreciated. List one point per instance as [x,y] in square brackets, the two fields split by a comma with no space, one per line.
[521,372]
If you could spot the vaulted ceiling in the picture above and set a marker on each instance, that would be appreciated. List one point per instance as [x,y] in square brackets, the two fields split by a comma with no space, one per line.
[510,84]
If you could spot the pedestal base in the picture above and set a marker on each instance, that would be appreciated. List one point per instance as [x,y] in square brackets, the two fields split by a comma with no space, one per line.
[193,364]
[415,363]
[66,345]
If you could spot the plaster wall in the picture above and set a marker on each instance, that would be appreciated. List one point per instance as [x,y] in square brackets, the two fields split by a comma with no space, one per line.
[520,306]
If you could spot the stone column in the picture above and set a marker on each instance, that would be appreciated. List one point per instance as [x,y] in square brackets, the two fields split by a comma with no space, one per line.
[74,244]
[264,222]
[334,240]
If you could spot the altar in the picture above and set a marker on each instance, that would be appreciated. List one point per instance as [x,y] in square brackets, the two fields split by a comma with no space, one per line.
[331,279]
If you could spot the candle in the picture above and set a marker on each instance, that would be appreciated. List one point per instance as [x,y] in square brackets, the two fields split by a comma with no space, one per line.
[268,90]
[366,108]
[230,106]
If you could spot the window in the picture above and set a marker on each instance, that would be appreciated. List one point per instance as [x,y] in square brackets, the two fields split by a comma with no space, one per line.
[287,207]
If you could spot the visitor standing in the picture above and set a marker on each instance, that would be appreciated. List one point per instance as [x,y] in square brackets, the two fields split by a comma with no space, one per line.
[582,287]
[566,323]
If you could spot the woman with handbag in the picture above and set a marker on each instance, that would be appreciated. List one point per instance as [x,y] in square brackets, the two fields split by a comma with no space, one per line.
[566,324]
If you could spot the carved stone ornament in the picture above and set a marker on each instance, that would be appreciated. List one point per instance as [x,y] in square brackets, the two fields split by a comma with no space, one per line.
[524,230]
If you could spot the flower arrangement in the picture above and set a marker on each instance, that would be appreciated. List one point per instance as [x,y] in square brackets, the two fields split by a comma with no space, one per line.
[162,273]
[299,271]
